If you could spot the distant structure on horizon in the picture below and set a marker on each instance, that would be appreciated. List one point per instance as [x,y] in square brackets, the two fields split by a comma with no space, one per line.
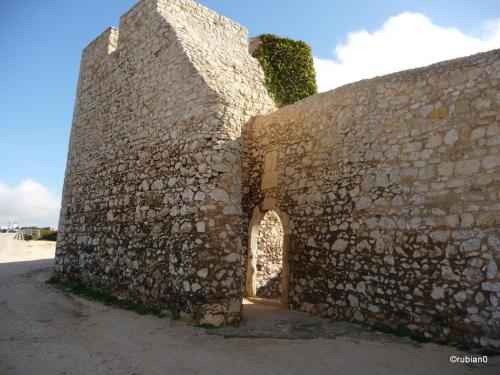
[12,226]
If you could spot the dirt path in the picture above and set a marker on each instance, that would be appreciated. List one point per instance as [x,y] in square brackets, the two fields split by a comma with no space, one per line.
[18,251]
[45,331]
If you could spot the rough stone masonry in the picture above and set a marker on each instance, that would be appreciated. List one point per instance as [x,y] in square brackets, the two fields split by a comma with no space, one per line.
[387,189]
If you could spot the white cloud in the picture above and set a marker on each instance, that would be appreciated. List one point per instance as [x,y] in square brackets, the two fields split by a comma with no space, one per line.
[30,202]
[406,41]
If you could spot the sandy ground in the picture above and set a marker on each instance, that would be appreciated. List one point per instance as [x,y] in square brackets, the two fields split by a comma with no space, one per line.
[46,331]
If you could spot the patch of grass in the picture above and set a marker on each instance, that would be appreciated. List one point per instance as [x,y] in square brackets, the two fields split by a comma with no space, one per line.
[105,298]
[464,347]
[418,337]
[53,280]
[488,352]
[384,328]
[404,331]
[401,331]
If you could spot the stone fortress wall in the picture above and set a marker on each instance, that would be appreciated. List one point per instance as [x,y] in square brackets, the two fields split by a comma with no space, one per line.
[391,191]
[152,196]
[387,189]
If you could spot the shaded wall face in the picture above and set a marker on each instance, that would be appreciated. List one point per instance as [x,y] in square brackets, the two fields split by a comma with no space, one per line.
[269,256]
[152,197]
[392,190]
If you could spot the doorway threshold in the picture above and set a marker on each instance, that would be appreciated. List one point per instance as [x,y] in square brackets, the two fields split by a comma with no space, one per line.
[267,302]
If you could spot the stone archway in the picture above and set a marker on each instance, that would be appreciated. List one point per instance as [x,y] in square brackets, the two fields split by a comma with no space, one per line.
[264,280]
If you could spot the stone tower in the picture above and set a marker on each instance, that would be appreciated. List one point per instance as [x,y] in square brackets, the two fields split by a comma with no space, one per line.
[151,206]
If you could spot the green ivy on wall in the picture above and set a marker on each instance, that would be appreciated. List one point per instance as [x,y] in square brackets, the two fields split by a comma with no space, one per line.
[288,68]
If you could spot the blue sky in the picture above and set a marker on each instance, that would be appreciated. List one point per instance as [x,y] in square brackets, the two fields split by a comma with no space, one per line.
[41,43]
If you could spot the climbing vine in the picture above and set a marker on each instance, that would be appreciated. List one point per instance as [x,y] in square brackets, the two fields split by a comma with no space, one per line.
[288,68]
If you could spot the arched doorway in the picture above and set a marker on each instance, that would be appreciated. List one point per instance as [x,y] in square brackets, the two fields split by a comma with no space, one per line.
[267,261]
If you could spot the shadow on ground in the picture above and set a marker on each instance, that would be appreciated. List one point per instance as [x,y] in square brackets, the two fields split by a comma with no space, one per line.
[264,321]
